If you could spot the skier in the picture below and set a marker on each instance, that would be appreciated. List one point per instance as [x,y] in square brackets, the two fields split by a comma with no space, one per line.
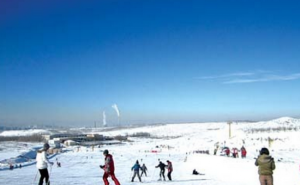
[42,164]
[215,151]
[136,168]
[109,168]
[234,152]
[144,169]
[162,166]
[266,165]
[195,172]
[227,151]
[243,152]
[170,169]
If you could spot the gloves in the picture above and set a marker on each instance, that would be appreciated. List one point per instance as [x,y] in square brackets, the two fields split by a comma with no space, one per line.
[101,166]
[51,163]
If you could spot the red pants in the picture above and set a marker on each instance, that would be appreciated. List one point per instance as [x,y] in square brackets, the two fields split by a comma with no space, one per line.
[113,177]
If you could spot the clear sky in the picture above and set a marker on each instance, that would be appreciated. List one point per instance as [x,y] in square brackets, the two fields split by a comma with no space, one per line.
[65,62]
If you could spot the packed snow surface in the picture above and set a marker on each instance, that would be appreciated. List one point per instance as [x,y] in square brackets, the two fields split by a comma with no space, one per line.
[185,145]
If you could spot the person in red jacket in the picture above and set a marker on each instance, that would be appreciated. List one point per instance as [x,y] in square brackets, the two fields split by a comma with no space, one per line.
[227,151]
[170,169]
[109,168]
[243,151]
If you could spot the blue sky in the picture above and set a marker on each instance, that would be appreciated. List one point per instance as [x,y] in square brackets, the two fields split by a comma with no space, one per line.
[65,62]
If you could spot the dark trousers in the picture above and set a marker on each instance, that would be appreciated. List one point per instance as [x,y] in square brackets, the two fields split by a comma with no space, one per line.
[113,177]
[169,175]
[143,171]
[136,173]
[162,173]
[44,175]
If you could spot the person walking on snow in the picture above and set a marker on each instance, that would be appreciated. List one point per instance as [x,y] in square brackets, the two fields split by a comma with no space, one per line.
[42,164]
[243,152]
[109,168]
[136,171]
[266,165]
[170,169]
[162,167]
[144,169]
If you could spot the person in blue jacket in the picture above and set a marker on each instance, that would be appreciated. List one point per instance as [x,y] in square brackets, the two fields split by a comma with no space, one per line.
[136,171]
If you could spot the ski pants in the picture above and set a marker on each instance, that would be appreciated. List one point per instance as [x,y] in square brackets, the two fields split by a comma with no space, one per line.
[169,175]
[113,177]
[162,173]
[143,171]
[134,174]
[44,175]
[266,179]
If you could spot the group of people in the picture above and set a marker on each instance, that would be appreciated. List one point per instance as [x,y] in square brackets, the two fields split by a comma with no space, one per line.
[137,167]
[136,171]
[162,166]
[109,169]
[264,161]
[11,167]
[235,152]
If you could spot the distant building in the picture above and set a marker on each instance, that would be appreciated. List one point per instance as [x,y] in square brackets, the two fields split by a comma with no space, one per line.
[55,140]
[54,143]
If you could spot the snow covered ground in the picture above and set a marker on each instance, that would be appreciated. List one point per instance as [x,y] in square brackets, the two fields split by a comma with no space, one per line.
[82,167]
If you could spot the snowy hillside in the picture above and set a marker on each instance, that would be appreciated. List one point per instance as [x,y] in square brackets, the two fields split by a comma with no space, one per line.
[23,132]
[183,144]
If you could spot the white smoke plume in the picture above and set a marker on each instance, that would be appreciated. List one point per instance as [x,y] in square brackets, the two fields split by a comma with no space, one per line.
[104,119]
[114,106]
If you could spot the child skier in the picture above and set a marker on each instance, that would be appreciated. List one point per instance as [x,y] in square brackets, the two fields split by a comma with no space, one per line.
[144,169]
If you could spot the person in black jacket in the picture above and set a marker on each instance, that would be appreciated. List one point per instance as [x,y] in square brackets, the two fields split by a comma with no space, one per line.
[162,167]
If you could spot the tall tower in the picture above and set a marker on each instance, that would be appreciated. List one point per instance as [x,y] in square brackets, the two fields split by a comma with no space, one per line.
[229,124]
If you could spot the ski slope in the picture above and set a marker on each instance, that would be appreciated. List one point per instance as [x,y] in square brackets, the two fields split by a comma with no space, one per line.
[82,166]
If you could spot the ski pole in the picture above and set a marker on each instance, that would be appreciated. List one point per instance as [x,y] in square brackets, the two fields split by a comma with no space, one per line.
[35,177]
[131,175]
[50,171]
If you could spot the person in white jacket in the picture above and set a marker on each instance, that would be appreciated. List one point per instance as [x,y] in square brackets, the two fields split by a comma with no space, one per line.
[42,164]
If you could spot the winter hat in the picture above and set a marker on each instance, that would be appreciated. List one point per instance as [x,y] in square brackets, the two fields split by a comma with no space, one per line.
[46,146]
[264,151]
[105,152]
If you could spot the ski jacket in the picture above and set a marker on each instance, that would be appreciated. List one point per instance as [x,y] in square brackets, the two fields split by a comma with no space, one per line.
[109,166]
[136,167]
[265,164]
[244,152]
[41,160]
[144,168]
[170,167]
[161,165]
[227,151]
